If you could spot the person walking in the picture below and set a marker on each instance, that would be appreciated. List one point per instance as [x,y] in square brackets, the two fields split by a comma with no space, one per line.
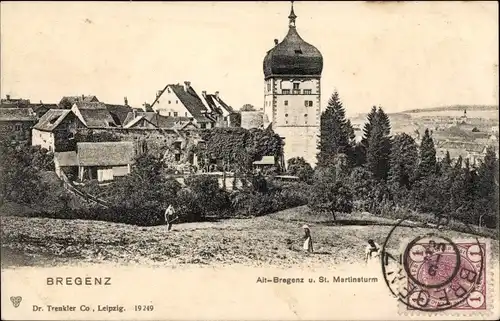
[308,244]
[372,250]
[169,217]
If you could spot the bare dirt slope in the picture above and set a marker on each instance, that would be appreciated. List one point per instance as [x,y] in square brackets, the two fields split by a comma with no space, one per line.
[274,240]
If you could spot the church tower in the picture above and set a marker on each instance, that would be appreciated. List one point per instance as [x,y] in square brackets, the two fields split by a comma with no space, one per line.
[292,93]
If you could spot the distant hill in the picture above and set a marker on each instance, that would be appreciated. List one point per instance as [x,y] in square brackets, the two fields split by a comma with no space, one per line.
[449,108]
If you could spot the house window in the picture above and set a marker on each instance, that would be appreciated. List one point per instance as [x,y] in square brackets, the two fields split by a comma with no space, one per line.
[186,114]
[18,127]
[307,91]
[176,101]
[175,114]
[169,113]
[203,126]
[169,102]
[286,102]
[177,157]
[296,86]
[285,91]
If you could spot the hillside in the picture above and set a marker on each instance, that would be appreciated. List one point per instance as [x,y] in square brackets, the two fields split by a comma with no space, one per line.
[273,240]
[450,108]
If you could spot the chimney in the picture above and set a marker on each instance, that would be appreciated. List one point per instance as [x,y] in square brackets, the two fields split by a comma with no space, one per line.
[217,94]
[125,100]
[276,41]
[187,85]
[204,93]
[8,97]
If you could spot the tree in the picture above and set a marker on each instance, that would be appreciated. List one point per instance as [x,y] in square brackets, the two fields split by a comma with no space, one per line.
[247,107]
[367,128]
[335,132]
[298,166]
[379,145]
[20,169]
[403,160]
[488,187]
[204,197]
[427,164]
[331,196]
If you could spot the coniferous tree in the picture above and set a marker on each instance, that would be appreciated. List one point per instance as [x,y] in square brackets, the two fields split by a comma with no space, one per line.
[368,126]
[427,165]
[488,187]
[403,160]
[378,145]
[335,132]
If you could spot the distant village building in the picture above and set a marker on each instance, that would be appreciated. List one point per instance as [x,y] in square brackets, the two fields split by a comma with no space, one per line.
[292,95]
[68,101]
[207,111]
[16,123]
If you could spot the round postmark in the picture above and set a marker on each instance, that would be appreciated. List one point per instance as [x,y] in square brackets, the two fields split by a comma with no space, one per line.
[434,273]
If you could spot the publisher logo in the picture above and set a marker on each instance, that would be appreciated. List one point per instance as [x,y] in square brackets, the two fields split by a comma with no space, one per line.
[16,300]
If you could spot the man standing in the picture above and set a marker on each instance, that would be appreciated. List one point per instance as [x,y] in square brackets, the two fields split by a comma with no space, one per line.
[169,216]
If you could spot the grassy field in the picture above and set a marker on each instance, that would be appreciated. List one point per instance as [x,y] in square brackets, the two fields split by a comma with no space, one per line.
[271,240]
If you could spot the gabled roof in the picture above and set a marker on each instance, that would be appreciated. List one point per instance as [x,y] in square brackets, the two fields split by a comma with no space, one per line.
[190,99]
[51,119]
[74,99]
[17,114]
[119,112]
[215,103]
[95,115]
[105,153]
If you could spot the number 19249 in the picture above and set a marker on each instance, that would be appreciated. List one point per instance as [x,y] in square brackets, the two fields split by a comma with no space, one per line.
[144,307]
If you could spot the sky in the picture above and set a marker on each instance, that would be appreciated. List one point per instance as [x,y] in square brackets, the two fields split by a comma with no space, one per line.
[397,55]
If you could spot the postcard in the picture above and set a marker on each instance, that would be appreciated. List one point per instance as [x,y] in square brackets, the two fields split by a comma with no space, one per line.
[249,160]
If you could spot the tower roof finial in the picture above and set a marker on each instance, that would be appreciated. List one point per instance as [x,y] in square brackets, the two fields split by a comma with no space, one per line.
[292,17]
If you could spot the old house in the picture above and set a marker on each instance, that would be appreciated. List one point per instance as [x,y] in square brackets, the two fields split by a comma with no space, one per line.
[178,100]
[55,130]
[16,123]
[218,109]
[93,114]
[103,161]
[120,112]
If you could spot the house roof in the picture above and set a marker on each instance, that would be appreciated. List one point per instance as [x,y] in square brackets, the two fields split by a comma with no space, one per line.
[266,160]
[157,120]
[105,153]
[66,158]
[83,98]
[17,114]
[51,119]
[95,115]
[119,112]
[215,103]
[190,99]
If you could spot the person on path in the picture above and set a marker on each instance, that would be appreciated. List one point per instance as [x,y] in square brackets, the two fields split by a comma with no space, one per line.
[372,250]
[169,216]
[308,244]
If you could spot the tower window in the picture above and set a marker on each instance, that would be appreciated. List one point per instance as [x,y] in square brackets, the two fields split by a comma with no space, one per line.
[285,91]
[286,115]
[286,102]
[169,102]
[305,115]
[175,114]
[308,103]
[307,91]
[268,86]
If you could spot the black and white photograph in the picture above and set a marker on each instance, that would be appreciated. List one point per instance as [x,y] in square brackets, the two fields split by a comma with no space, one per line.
[279,160]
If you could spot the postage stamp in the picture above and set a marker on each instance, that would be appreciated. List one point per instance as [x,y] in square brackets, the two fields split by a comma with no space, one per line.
[434,274]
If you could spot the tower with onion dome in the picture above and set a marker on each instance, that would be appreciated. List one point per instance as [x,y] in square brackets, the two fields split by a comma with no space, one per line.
[292,93]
